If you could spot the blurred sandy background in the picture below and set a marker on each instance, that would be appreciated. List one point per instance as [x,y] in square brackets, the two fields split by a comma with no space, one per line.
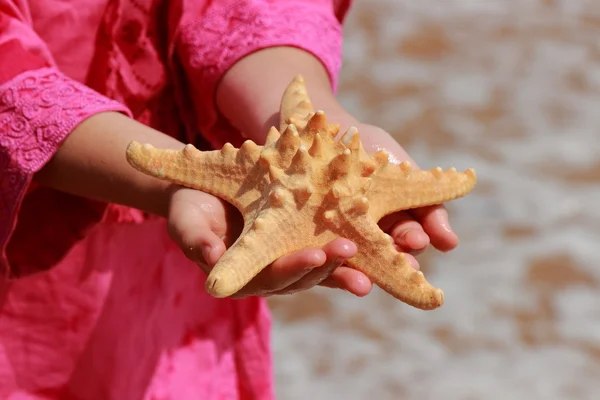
[511,88]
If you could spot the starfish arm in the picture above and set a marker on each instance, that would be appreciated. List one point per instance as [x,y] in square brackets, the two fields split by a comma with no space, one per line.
[295,105]
[222,173]
[264,239]
[394,188]
[386,267]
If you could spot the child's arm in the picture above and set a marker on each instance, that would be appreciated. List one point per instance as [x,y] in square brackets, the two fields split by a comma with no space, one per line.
[91,163]
[250,92]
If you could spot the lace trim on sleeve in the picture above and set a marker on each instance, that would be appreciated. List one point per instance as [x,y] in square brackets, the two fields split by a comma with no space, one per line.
[38,109]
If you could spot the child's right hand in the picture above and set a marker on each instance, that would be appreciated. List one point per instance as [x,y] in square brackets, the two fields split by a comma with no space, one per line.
[204,226]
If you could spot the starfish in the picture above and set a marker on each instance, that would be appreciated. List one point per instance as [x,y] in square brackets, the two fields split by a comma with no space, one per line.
[304,188]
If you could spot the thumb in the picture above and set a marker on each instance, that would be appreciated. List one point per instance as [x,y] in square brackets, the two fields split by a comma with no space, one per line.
[192,232]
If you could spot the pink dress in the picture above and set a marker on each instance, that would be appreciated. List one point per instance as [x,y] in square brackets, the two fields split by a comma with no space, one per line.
[95,301]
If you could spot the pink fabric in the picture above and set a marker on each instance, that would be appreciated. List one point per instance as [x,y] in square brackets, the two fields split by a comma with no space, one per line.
[110,322]
[98,302]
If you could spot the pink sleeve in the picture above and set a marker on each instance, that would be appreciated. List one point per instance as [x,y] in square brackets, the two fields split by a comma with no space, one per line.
[215,36]
[39,107]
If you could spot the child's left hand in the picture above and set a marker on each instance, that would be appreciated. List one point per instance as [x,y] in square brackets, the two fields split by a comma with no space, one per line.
[412,230]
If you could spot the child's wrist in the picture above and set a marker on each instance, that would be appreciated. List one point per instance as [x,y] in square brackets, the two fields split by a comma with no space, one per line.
[91,163]
[250,92]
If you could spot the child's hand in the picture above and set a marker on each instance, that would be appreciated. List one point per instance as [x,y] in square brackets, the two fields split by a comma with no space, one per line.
[412,230]
[203,226]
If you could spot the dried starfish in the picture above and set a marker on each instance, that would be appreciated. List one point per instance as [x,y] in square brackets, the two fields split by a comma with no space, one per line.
[303,189]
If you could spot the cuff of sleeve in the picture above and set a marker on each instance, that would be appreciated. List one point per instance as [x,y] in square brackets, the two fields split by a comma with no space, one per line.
[209,46]
[38,110]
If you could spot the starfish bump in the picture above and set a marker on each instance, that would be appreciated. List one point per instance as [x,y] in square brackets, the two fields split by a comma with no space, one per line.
[303,188]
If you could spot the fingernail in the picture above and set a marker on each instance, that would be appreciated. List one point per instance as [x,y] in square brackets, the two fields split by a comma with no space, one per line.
[443,214]
[351,246]
[361,279]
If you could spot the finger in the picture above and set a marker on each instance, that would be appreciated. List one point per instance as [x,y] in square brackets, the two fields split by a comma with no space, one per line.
[313,278]
[337,251]
[350,280]
[195,238]
[408,234]
[355,282]
[283,272]
[434,220]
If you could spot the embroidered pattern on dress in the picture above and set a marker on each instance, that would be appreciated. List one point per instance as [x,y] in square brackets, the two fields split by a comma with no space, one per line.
[38,109]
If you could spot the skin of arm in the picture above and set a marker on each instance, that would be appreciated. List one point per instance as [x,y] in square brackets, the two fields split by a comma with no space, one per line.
[250,102]
[91,163]
[249,94]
